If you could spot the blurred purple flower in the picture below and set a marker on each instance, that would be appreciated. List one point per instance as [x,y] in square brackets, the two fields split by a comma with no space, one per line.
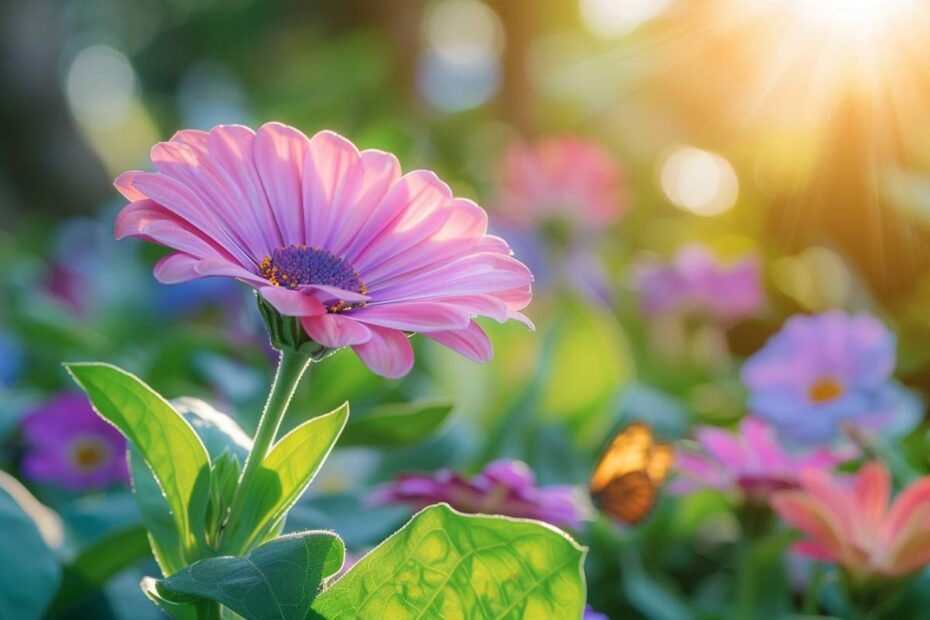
[750,462]
[67,444]
[825,370]
[590,614]
[504,487]
[695,283]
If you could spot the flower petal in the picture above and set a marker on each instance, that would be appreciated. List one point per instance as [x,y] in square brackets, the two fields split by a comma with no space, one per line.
[292,303]
[335,331]
[388,353]
[332,177]
[279,153]
[472,342]
[413,316]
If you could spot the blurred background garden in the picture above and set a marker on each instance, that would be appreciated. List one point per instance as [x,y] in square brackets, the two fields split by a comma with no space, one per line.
[682,177]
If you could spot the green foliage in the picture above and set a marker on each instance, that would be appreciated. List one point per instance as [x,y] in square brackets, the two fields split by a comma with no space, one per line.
[396,424]
[167,444]
[97,563]
[277,581]
[445,564]
[262,502]
[30,573]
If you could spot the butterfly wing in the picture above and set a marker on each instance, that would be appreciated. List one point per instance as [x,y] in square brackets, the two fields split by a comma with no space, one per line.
[661,458]
[628,452]
[628,498]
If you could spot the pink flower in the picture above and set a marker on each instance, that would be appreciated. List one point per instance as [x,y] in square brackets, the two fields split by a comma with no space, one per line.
[339,238]
[695,283]
[750,463]
[561,178]
[505,487]
[851,523]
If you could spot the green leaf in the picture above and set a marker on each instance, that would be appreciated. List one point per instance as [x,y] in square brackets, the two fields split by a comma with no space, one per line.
[218,431]
[29,573]
[224,478]
[156,516]
[170,447]
[276,581]
[263,501]
[178,611]
[396,424]
[97,563]
[444,564]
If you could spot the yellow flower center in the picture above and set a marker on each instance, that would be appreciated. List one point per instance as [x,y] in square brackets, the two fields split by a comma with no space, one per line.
[824,390]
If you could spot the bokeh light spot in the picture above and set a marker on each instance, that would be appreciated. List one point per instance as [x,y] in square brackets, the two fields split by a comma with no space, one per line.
[615,18]
[699,181]
[460,66]
[100,86]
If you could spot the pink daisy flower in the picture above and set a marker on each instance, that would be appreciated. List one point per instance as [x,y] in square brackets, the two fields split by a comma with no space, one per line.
[561,178]
[749,463]
[361,254]
[855,524]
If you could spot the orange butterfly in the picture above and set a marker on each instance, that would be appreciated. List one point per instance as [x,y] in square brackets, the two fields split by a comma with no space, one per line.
[626,481]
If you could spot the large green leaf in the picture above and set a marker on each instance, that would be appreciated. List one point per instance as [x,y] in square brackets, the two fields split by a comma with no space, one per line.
[29,573]
[444,564]
[156,516]
[262,501]
[170,447]
[276,581]
[396,424]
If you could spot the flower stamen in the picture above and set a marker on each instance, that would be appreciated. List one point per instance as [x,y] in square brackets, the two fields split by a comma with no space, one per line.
[825,390]
[297,265]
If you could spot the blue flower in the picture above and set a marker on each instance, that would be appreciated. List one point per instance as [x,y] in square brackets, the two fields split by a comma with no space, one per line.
[822,371]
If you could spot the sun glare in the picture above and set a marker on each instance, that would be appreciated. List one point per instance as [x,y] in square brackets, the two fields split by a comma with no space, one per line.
[861,20]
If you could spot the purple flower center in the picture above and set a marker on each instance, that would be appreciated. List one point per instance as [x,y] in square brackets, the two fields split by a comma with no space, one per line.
[89,453]
[297,265]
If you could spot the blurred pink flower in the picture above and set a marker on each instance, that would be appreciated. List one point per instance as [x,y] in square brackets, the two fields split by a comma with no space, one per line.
[695,283]
[561,178]
[851,523]
[339,238]
[67,444]
[749,462]
[504,487]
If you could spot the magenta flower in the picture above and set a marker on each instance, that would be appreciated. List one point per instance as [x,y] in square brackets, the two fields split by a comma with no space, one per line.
[591,614]
[694,283]
[856,525]
[67,444]
[822,371]
[339,238]
[504,487]
[566,179]
[749,463]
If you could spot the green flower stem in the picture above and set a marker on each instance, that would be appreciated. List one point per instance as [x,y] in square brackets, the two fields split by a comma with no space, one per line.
[811,604]
[291,368]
